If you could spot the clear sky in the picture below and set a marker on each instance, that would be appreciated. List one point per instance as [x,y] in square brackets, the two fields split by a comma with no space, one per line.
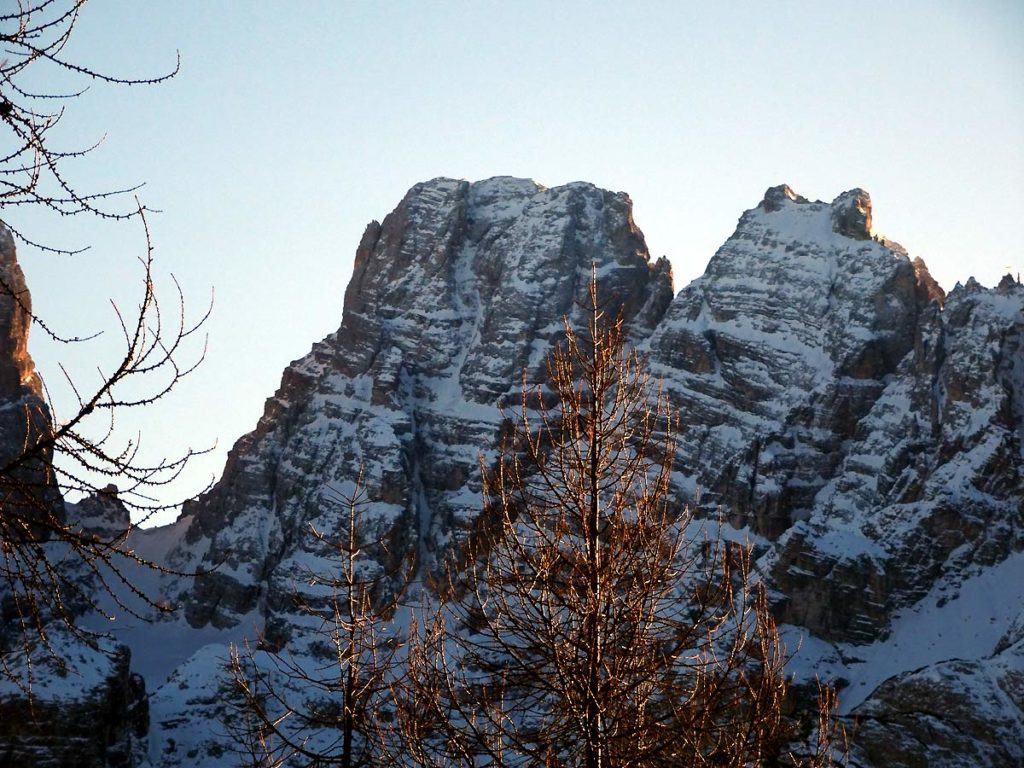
[292,125]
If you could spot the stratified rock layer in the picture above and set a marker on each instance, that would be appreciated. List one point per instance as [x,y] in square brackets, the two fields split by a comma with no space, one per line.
[864,429]
[777,352]
[458,292]
[931,481]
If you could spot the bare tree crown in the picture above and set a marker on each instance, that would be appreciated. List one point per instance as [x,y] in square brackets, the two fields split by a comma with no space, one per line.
[52,568]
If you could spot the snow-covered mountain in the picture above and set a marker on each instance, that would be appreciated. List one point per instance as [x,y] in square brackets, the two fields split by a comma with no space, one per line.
[863,430]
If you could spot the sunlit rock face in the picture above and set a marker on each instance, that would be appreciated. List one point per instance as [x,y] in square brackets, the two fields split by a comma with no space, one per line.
[77,702]
[851,214]
[17,371]
[27,486]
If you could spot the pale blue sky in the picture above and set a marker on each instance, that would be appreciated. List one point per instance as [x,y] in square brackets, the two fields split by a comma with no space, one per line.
[291,125]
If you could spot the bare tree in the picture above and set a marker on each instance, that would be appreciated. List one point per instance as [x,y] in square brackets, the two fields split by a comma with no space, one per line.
[33,170]
[591,625]
[323,706]
[50,566]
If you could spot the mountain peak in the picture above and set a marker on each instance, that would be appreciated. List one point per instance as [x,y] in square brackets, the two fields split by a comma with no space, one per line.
[851,214]
[776,197]
[866,441]
[851,211]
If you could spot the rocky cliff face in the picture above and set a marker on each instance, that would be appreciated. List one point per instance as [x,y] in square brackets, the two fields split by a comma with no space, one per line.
[86,708]
[775,355]
[458,292]
[20,388]
[76,702]
[17,371]
[931,483]
[28,490]
[862,429]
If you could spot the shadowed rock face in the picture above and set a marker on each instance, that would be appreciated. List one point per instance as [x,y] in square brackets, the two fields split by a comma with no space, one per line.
[851,214]
[777,352]
[931,483]
[97,715]
[102,513]
[952,713]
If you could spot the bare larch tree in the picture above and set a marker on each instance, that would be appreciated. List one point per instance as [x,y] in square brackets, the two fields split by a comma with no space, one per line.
[50,566]
[323,705]
[595,623]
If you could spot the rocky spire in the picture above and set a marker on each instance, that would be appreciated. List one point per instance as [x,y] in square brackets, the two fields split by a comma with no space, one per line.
[851,214]
[17,371]
[927,289]
[30,485]
[776,197]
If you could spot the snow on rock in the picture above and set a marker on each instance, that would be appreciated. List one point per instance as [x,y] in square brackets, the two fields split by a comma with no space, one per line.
[863,429]
[931,482]
[74,703]
[866,429]
[777,351]
[458,291]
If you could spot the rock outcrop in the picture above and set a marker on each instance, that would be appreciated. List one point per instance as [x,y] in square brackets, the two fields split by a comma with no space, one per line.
[851,214]
[73,699]
[28,488]
[17,371]
[21,394]
[774,355]
[85,708]
[102,514]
